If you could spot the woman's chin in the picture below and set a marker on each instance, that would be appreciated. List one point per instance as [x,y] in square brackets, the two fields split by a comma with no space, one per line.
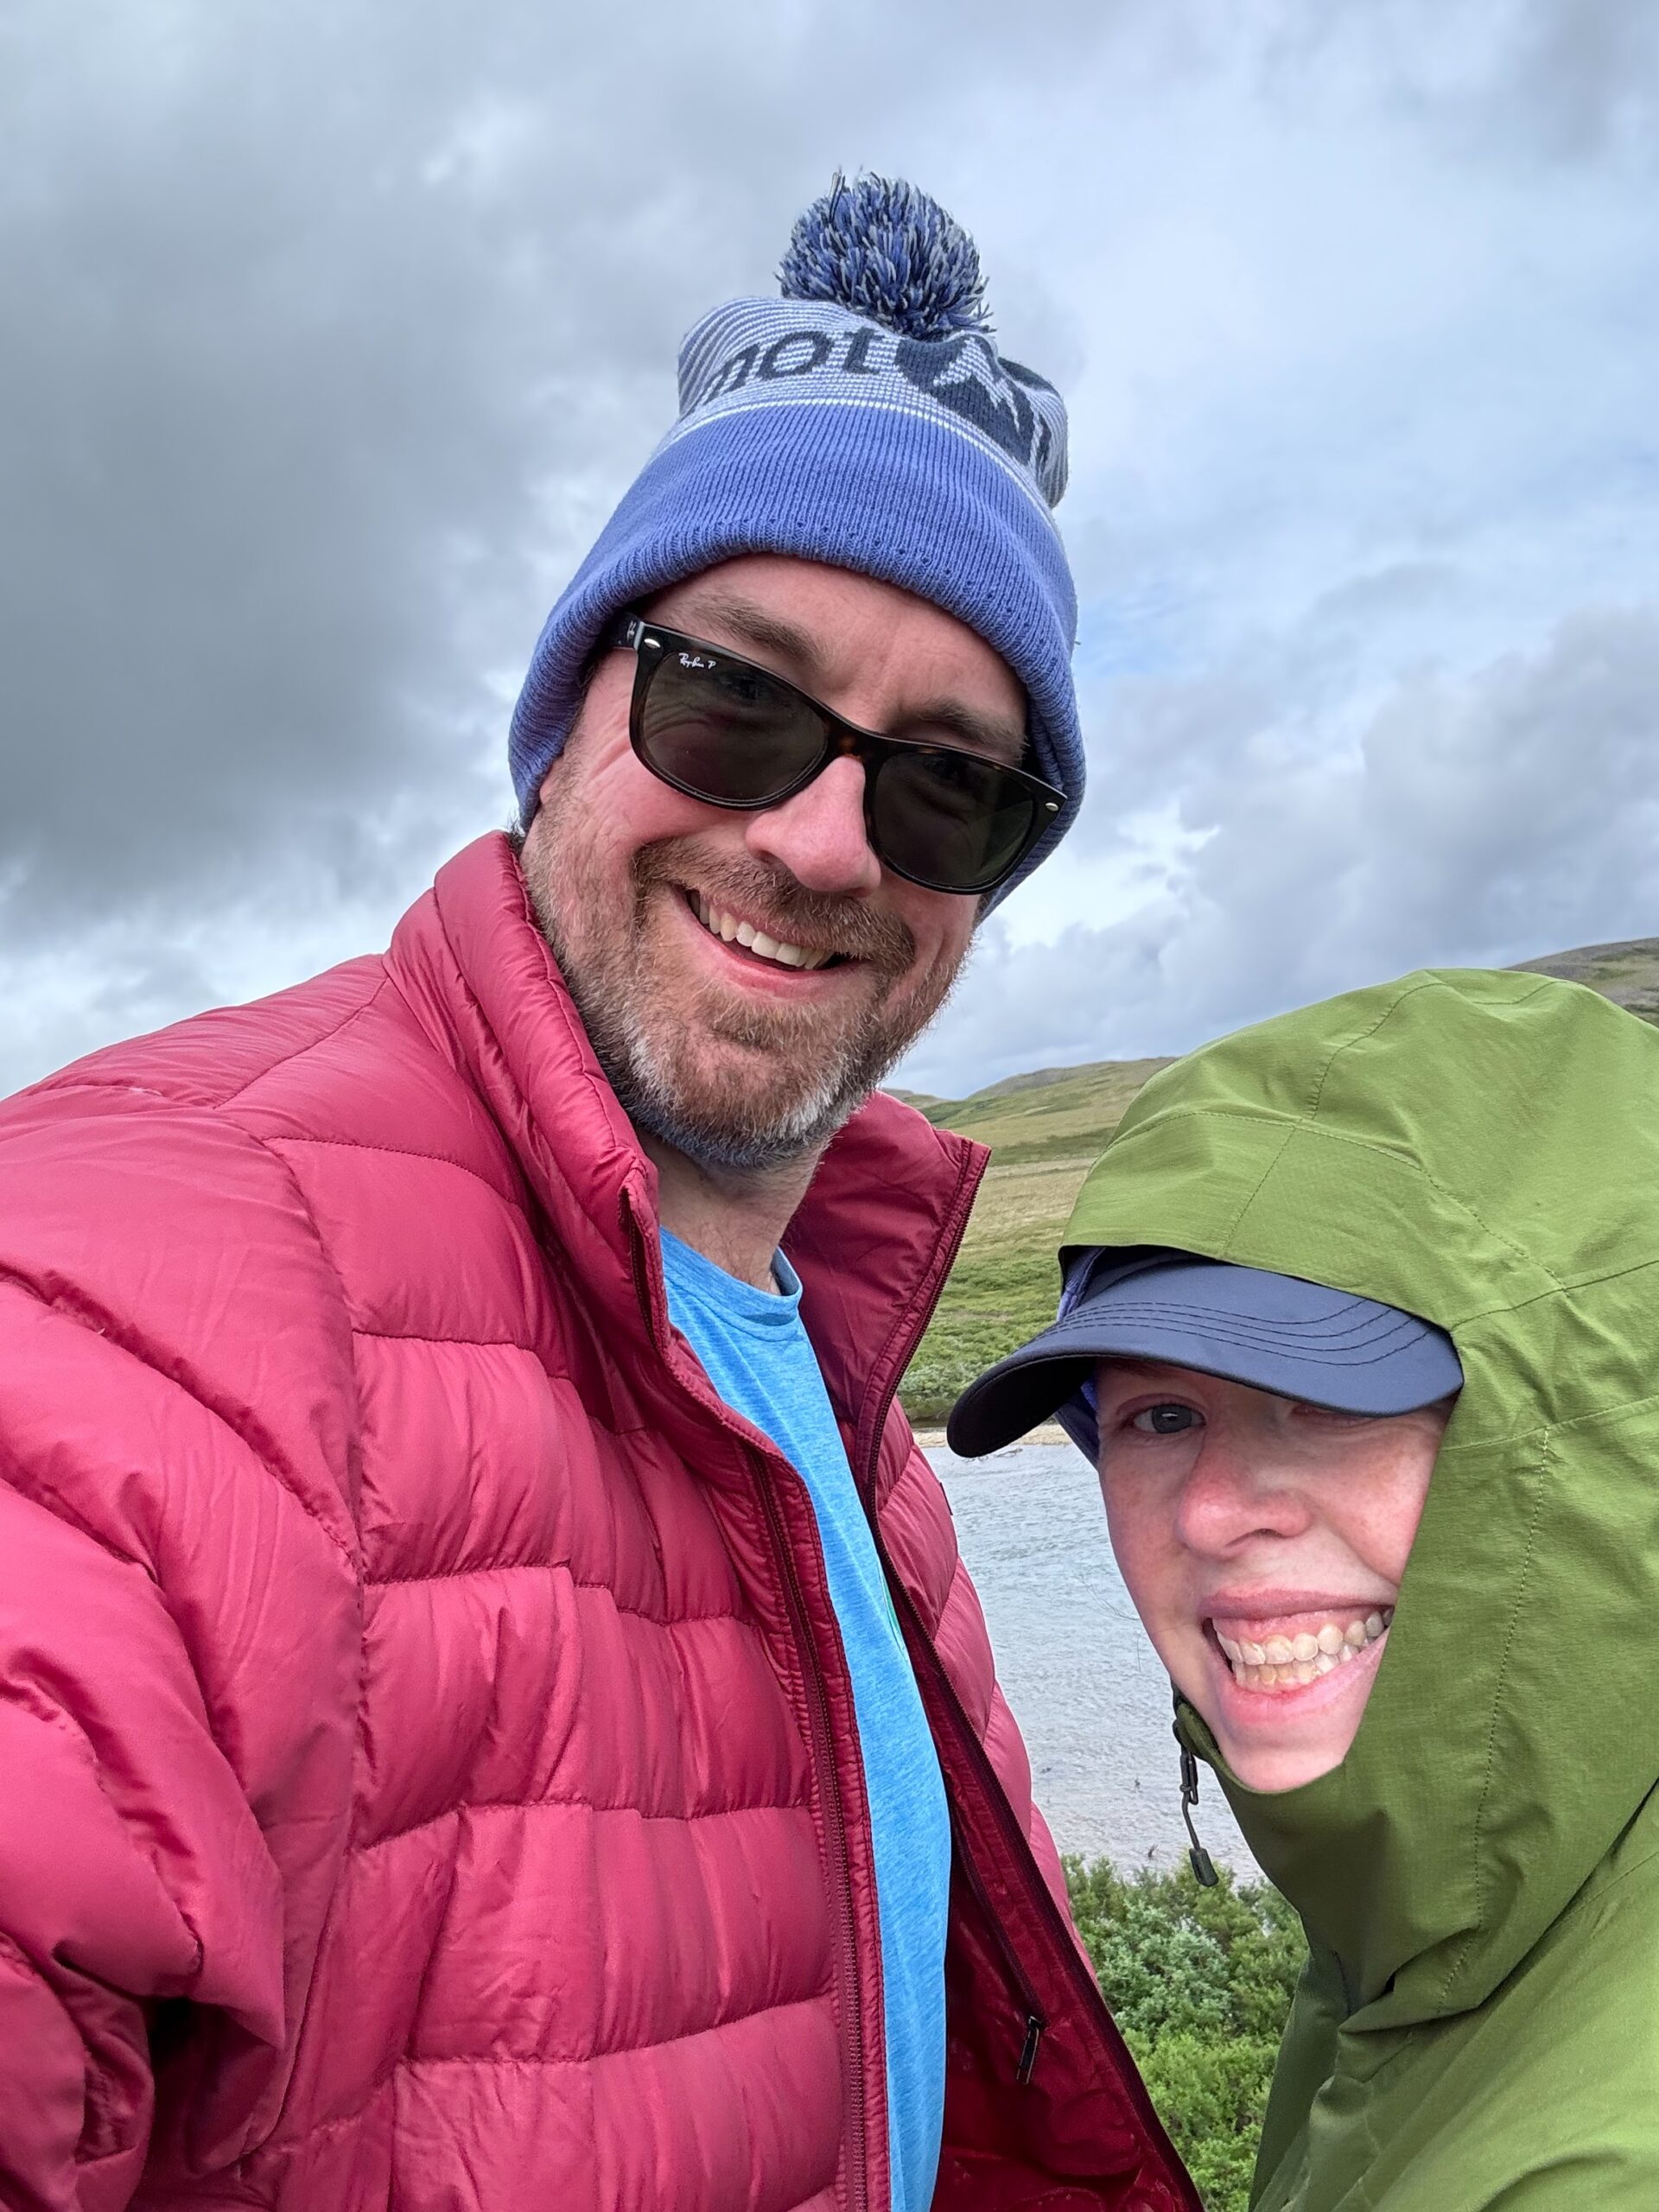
[1290,1766]
[1282,1739]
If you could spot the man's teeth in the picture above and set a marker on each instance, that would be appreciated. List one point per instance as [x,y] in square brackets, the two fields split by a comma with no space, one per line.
[1286,1661]
[721,925]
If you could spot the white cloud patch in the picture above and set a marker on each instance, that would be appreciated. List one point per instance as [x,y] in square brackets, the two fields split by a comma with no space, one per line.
[1478,818]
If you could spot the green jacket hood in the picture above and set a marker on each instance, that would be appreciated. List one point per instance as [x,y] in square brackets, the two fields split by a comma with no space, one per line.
[1482,1149]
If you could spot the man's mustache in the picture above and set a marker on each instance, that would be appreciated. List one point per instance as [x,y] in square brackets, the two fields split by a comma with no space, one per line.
[791,911]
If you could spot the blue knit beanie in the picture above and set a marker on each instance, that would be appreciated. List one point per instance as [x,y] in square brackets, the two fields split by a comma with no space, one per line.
[864,420]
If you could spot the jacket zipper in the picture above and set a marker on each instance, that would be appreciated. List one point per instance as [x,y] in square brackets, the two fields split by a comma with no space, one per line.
[1037,1894]
[835,1813]
[1037,1890]
[834,1821]
[1036,2021]
[823,1760]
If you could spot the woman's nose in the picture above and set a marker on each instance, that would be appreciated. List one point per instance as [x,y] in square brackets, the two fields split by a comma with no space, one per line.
[1231,1495]
[819,835]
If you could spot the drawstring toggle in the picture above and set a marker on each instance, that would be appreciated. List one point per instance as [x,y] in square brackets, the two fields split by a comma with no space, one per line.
[1203,1867]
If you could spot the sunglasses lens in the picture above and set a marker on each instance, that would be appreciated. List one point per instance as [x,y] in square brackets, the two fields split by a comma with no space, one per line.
[724,731]
[720,729]
[951,819]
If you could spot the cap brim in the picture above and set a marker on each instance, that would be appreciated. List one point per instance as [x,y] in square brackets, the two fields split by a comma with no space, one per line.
[1270,1332]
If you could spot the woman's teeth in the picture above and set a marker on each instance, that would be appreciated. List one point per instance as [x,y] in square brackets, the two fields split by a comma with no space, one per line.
[1287,1662]
[729,928]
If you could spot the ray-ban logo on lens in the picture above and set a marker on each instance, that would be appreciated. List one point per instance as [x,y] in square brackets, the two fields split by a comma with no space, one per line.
[695,660]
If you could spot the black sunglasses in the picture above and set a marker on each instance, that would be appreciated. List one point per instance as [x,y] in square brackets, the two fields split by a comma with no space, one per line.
[721,730]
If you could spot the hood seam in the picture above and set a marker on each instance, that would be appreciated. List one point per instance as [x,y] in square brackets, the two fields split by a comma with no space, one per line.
[1309,1128]
[1260,1185]
[1522,1583]
[1562,1289]
[1363,1037]
[1610,1416]
[1432,979]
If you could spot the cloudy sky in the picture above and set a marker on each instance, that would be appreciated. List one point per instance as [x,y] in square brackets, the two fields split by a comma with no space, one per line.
[331,330]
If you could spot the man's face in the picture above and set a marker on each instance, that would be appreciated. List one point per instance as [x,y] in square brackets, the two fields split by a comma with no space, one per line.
[1263,1543]
[738,1058]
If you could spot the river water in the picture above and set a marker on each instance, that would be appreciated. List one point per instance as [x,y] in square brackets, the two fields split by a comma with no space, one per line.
[1086,1685]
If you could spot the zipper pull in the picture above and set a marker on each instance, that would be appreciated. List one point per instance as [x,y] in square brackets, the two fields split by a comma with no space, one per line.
[1027,2065]
[1203,1867]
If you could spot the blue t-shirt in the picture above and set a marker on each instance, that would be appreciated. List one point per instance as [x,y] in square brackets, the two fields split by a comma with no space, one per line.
[757,1353]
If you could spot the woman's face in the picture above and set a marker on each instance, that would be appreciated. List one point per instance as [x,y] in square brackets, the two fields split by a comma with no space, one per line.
[1263,1542]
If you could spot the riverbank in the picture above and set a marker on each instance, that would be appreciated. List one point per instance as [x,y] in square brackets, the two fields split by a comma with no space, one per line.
[932,1439]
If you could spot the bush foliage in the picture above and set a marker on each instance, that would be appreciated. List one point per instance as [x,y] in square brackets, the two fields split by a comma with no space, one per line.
[1199,1981]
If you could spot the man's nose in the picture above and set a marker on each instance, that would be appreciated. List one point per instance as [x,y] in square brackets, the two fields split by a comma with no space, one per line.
[819,835]
[1230,1497]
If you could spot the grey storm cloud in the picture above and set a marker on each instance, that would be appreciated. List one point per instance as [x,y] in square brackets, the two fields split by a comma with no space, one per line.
[330,334]
[295,353]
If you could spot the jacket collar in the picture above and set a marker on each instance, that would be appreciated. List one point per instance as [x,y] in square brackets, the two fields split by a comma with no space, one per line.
[873,1241]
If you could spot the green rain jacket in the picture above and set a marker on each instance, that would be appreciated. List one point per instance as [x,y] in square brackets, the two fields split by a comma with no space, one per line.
[1478,2024]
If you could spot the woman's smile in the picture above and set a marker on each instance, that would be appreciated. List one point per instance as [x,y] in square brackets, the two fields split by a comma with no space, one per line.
[1276,1652]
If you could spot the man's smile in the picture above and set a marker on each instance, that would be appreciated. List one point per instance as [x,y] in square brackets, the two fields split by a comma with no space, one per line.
[766,953]
[732,930]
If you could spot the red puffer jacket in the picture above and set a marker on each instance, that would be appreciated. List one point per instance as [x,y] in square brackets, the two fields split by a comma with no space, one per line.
[427,1774]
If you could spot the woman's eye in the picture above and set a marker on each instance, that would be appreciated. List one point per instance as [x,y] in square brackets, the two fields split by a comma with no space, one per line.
[1165,1420]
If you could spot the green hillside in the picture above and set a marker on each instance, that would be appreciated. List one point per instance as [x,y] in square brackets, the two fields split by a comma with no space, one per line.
[1045,1130]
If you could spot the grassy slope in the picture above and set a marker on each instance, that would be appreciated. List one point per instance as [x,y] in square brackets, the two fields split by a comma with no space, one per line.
[1045,1131]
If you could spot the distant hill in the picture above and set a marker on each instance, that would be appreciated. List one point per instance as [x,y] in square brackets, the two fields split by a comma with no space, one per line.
[1627,972]
[1045,1130]
[1052,1113]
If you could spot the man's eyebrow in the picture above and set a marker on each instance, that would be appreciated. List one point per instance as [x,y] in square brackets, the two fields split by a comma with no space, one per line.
[1004,742]
[758,626]
[801,661]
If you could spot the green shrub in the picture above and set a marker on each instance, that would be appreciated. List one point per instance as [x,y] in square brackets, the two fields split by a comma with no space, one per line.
[1199,1981]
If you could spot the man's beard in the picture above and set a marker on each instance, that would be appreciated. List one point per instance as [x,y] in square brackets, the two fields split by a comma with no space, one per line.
[806,1069]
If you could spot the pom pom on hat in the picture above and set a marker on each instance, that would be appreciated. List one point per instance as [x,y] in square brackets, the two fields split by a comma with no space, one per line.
[886,250]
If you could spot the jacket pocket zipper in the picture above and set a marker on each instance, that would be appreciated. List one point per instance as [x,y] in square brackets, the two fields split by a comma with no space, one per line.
[1036,2019]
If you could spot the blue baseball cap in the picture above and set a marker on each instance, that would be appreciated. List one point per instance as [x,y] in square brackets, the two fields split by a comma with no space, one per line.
[1276,1333]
